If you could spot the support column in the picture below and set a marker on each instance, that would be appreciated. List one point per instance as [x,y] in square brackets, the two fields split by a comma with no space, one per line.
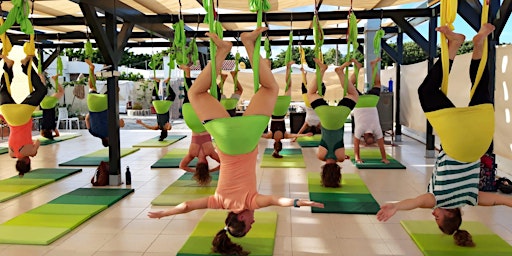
[370,29]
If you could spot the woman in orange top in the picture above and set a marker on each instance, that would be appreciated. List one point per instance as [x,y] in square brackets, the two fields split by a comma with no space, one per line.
[19,116]
[237,140]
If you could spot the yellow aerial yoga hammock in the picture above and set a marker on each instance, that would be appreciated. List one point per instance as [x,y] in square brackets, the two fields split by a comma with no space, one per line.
[304,80]
[258,6]
[352,45]
[455,125]
[18,14]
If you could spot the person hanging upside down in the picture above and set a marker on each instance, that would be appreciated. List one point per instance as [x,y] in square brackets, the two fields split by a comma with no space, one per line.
[455,177]
[332,148]
[367,123]
[96,120]
[19,116]
[162,113]
[277,124]
[312,122]
[237,140]
[48,125]
[231,102]
[201,145]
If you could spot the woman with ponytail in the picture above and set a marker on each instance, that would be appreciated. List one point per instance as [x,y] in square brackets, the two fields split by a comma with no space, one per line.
[454,181]
[237,141]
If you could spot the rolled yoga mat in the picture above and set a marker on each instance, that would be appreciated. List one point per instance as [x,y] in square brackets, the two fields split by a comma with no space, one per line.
[432,242]
[371,158]
[259,241]
[292,158]
[154,143]
[47,223]
[44,141]
[3,150]
[173,158]
[16,186]
[309,141]
[352,197]
[95,158]
[185,189]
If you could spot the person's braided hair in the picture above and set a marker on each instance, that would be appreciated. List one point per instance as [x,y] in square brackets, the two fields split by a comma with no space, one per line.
[221,242]
[451,225]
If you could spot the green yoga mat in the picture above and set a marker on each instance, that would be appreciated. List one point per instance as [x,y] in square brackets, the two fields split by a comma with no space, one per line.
[352,197]
[173,158]
[3,150]
[16,186]
[432,242]
[95,158]
[371,158]
[259,241]
[47,223]
[154,143]
[185,189]
[309,141]
[44,141]
[292,158]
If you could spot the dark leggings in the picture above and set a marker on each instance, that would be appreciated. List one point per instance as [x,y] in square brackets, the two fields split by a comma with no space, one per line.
[374,91]
[432,98]
[33,99]
[189,82]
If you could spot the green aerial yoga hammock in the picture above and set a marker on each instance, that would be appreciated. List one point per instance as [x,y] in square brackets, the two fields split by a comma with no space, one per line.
[59,66]
[267,47]
[318,37]
[215,27]
[88,54]
[97,102]
[258,6]
[235,79]
[352,45]
[39,65]
[287,59]
[376,49]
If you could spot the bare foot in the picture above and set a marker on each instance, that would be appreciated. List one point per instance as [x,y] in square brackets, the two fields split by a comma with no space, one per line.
[454,39]
[25,60]
[375,61]
[357,63]
[222,46]
[250,37]
[289,64]
[55,77]
[320,64]
[89,62]
[482,34]
[184,67]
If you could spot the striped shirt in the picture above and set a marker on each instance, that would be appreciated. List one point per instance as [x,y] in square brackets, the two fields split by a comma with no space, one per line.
[453,183]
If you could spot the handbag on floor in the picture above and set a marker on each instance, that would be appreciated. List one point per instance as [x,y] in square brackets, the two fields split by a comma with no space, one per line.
[101,176]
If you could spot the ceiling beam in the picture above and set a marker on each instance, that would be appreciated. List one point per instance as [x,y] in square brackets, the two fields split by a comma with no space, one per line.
[128,14]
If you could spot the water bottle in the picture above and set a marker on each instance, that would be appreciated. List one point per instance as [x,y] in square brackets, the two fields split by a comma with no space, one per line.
[128,176]
[390,85]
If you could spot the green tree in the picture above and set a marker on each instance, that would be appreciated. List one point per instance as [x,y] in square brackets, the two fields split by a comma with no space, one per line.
[330,57]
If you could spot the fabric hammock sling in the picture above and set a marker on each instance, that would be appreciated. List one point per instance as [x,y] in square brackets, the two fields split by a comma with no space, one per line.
[18,14]
[215,27]
[352,45]
[258,6]
[318,38]
[448,14]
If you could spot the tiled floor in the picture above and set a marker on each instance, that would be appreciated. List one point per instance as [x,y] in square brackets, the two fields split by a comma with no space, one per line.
[124,228]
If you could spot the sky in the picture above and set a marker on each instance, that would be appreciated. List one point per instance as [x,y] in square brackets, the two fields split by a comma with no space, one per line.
[460,26]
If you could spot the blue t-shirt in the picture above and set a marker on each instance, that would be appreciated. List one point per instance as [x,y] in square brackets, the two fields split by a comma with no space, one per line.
[99,124]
